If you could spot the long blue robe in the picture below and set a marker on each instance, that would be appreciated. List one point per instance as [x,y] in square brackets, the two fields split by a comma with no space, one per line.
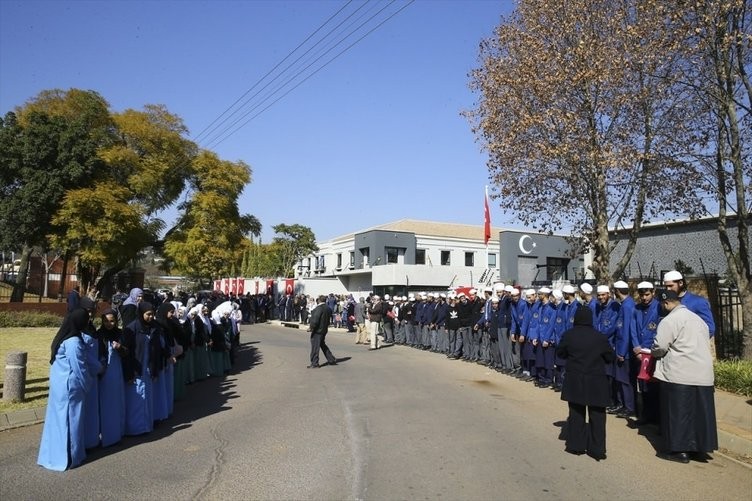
[63,432]
[91,402]
[138,398]
[112,399]
[160,395]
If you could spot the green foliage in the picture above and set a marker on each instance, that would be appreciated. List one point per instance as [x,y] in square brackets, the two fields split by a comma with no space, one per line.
[683,268]
[734,376]
[29,319]
[295,241]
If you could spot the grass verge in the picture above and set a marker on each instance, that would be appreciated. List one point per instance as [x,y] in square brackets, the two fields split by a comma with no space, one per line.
[734,376]
[36,342]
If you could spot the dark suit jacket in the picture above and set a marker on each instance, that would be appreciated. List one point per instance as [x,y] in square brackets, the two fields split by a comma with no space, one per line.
[587,352]
[320,318]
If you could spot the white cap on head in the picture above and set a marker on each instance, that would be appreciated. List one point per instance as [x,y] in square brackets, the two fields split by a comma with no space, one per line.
[412,298]
[509,288]
[391,302]
[495,299]
[603,289]
[544,290]
[487,289]
[431,294]
[442,295]
[404,298]
[461,294]
[386,296]
[557,294]
[586,288]
[672,276]
[645,285]
[375,296]
[498,286]
[515,291]
[473,291]
[530,292]
[568,289]
[621,284]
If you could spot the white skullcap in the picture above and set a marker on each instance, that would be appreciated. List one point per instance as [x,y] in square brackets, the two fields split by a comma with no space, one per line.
[645,285]
[509,288]
[586,288]
[412,298]
[375,297]
[431,294]
[499,286]
[603,289]
[391,302]
[495,299]
[473,291]
[461,294]
[672,276]
[487,289]
[386,296]
[515,291]
[530,292]
[568,289]
[557,294]
[404,298]
[442,295]
[544,290]
[452,295]
[621,284]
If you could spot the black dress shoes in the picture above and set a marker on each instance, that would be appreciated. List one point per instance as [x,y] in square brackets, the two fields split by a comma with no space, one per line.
[313,366]
[677,457]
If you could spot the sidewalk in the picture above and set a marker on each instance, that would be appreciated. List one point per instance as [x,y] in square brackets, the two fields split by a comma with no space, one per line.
[733,416]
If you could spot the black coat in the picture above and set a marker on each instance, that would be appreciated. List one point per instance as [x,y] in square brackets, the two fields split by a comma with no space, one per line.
[587,352]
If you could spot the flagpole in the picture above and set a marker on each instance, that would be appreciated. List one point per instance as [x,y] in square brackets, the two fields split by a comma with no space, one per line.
[487,213]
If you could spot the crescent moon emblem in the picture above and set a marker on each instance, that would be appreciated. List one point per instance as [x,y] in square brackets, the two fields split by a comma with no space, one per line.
[522,244]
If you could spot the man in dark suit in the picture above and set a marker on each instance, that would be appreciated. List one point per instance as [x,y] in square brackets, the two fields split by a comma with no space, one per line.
[318,326]
[586,385]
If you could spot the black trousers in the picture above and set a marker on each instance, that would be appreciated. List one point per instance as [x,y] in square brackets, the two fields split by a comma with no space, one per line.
[318,343]
[586,437]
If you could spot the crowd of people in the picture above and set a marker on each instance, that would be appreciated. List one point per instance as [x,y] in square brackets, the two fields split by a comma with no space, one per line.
[520,332]
[123,377]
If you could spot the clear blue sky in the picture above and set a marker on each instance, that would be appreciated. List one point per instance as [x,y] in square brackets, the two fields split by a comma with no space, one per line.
[373,137]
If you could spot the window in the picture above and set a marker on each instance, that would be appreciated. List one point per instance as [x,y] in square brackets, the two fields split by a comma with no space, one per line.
[352,259]
[322,263]
[556,268]
[339,261]
[364,254]
[469,259]
[420,256]
[392,255]
[491,260]
[446,258]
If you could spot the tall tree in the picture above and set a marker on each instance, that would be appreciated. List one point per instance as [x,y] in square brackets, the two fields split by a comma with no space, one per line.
[580,129]
[48,146]
[717,41]
[294,241]
[204,243]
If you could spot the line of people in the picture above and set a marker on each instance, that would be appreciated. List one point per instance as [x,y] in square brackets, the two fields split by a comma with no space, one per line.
[110,382]
[517,333]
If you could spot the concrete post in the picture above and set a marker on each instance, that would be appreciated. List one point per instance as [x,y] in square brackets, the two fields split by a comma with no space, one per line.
[14,386]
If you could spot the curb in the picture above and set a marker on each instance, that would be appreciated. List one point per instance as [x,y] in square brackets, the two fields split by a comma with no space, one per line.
[23,417]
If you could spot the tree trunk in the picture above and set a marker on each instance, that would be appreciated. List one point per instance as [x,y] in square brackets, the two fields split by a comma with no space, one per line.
[19,288]
[63,277]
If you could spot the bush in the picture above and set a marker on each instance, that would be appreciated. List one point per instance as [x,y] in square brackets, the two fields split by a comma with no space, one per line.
[29,319]
[734,376]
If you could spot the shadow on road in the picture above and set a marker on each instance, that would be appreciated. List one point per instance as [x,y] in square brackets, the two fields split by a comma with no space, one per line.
[202,399]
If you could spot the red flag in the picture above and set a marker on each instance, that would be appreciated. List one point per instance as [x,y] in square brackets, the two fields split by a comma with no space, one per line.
[241,286]
[289,286]
[486,219]
[270,286]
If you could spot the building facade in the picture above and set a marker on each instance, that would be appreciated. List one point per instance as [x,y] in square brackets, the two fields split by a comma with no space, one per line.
[411,256]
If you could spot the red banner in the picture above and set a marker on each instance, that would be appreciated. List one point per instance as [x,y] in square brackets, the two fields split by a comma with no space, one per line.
[486,220]
[241,286]
[290,286]
[270,286]
[216,285]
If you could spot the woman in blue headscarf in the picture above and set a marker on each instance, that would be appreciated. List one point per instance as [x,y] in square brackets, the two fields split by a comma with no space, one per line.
[129,309]
[62,444]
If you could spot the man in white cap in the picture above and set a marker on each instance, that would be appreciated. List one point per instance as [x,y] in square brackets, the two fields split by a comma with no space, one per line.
[586,295]
[623,367]
[544,339]
[530,332]
[476,308]
[674,280]
[452,325]
[644,327]
[438,328]
[484,352]
[605,322]
[506,357]
[408,310]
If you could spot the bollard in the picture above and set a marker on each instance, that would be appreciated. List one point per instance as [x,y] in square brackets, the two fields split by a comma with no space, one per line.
[15,376]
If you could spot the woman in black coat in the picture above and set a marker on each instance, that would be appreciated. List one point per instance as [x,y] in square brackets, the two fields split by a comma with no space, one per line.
[586,387]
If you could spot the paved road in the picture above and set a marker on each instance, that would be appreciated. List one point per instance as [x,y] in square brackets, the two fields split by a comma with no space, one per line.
[391,424]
